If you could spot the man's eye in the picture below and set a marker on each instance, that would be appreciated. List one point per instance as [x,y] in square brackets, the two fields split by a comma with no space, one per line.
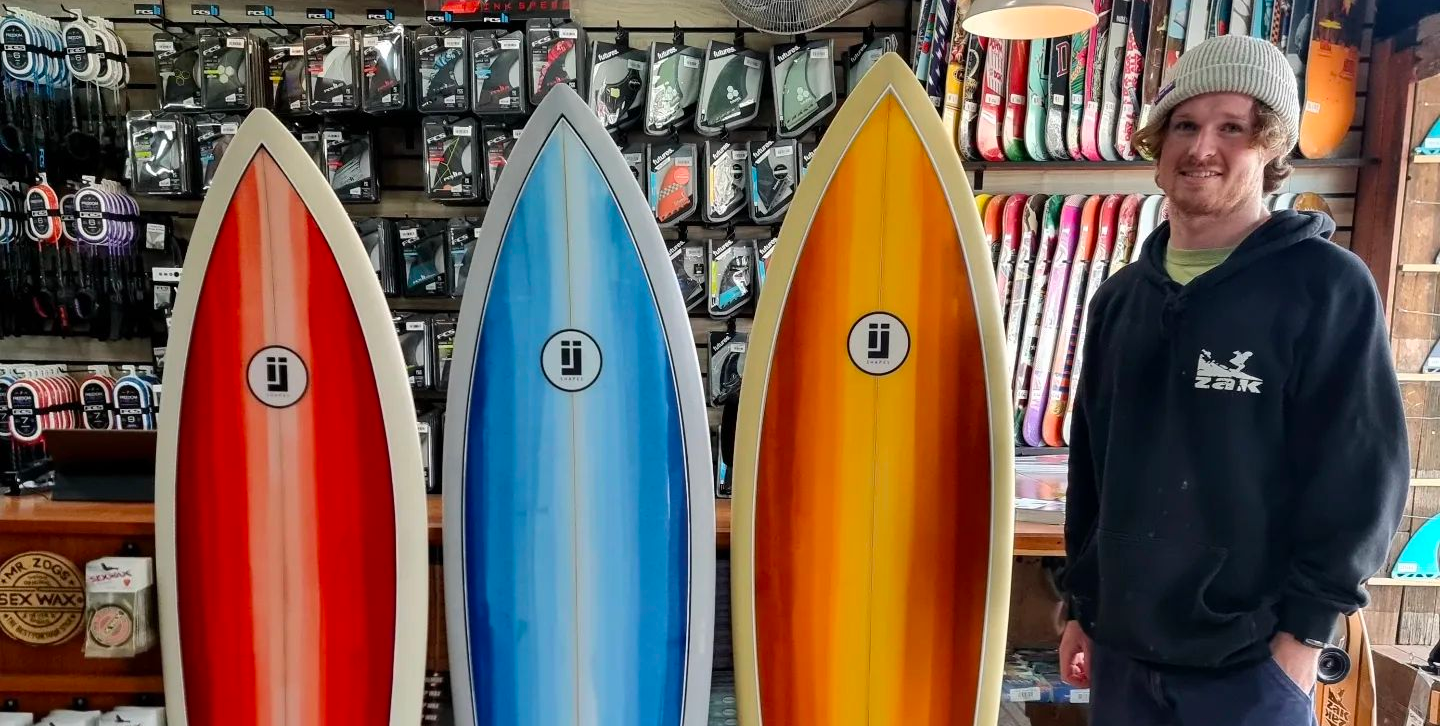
[1184,126]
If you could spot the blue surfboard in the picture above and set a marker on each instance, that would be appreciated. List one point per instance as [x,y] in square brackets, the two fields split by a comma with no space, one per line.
[579,508]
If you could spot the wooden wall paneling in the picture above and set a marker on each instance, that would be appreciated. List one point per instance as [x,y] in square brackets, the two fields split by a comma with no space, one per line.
[1382,616]
[1428,460]
[1419,616]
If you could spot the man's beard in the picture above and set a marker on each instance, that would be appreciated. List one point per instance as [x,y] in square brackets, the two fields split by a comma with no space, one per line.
[1235,193]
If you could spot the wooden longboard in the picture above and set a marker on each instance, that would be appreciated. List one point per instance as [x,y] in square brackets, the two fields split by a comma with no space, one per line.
[1330,81]
[1350,702]
[555,481]
[1017,74]
[1312,202]
[1066,341]
[1035,308]
[992,101]
[290,522]
[838,560]
[1058,97]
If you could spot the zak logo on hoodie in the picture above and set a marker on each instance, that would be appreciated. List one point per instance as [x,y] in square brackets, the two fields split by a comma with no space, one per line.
[1220,377]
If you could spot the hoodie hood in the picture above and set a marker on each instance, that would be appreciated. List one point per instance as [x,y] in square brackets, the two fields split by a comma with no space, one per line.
[1284,229]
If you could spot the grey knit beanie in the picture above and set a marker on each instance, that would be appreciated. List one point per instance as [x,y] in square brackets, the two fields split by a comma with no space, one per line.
[1235,64]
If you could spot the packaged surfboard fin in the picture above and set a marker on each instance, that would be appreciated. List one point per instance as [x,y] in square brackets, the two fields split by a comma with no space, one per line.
[286,76]
[427,426]
[634,155]
[1430,146]
[385,65]
[727,363]
[774,175]
[423,255]
[1420,560]
[499,141]
[1432,361]
[764,250]
[160,156]
[675,76]
[673,169]
[332,66]
[377,234]
[461,234]
[803,76]
[687,257]
[452,159]
[732,281]
[497,59]
[442,329]
[309,136]
[730,89]
[225,59]
[555,47]
[727,179]
[862,56]
[350,161]
[213,132]
[443,68]
[617,83]
[177,68]
[416,346]
[807,155]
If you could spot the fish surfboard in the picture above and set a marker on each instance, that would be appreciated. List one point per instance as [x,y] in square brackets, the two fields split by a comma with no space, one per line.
[289,495]
[579,504]
[874,454]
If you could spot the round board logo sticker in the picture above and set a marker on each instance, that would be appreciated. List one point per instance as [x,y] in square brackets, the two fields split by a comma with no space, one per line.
[111,626]
[278,377]
[879,343]
[42,598]
[571,360]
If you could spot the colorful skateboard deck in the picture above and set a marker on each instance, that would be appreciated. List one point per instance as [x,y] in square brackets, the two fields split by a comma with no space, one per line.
[924,39]
[981,200]
[1137,34]
[1330,82]
[1280,24]
[1154,71]
[1115,69]
[1126,233]
[1079,71]
[1105,238]
[1175,33]
[1030,232]
[1066,341]
[838,560]
[1017,73]
[954,79]
[289,495]
[1351,702]
[1055,294]
[1009,246]
[1240,14]
[994,225]
[1095,83]
[970,91]
[1218,20]
[1260,18]
[1312,202]
[554,480]
[1149,220]
[1297,41]
[1036,96]
[1058,97]
[992,101]
[1198,23]
[1035,307]
[940,51]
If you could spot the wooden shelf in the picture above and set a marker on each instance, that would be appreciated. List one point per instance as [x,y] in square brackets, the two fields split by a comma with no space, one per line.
[82,684]
[1424,159]
[40,515]
[1420,267]
[1417,377]
[1401,582]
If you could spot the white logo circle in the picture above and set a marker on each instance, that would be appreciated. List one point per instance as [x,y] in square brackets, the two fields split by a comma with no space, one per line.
[571,360]
[277,376]
[879,343]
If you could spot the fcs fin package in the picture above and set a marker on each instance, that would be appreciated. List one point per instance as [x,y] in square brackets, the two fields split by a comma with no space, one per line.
[332,62]
[555,47]
[443,63]
[452,159]
[497,59]
[385,65]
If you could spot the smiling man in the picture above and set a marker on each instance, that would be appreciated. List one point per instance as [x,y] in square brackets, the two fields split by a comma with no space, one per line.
[1239,458]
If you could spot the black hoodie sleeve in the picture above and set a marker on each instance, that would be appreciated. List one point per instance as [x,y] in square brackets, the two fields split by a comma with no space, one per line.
[1348,449]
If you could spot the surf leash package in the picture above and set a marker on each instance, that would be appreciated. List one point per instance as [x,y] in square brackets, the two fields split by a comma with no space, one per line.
[227,71]
[497,59]
[452,159]
[385,65]
[499,141]
[160,153]
[444,69]
[94,53]
[862,56]
[673,174]
[377,234]
[177,67]
[554,47]
[135,404]
[675,76]
[727,363]
[442,331]
[617,84]
[803,76]
[213,132]
[774,175]
[97,403]
[332,66]
[350,163]
[460,236]
[423,253]
[285,75]
[730,89]
[727,179]
[417,346]
[687,257]
[732,277]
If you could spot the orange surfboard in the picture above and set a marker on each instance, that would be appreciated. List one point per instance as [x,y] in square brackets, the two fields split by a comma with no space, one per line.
[874,483]
[289,497]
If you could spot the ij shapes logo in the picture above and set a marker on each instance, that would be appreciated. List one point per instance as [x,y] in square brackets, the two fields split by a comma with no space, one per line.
[277,376]
[879,343]
[571,360]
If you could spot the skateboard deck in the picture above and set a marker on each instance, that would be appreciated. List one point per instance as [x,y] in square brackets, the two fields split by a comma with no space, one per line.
[1009,245]
[992,101]
[1105,239]
[1095,83]
[1079,72]
[924,35]
[1297,42]
[993,222]
[1127,232]
[1036,99]
[1260,18]
[885,535]
[1198,24]
[1030,230]
[1055,295]
[289,490]
[572,309]
[1154,71]
[1137,34]
[1115,62]
[1035,305]
[1279,32]
[940,51]
[1175,34]
[1330,81]
[1240,12]
[1058,97]
[1149,220]
[1218,19]
[1351,702]
[1017,74]
[1312,202]
[954,77]
[1053,416]
[970,91]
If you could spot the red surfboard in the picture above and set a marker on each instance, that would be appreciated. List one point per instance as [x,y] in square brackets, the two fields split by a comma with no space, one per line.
[289,498]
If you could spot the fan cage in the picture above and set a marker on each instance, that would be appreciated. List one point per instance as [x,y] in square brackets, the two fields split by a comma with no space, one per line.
[790,17]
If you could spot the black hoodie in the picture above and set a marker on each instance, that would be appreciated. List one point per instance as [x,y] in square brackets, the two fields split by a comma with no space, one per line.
[1239,458]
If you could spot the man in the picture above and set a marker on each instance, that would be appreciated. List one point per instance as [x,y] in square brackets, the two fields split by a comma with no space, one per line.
[1239,459]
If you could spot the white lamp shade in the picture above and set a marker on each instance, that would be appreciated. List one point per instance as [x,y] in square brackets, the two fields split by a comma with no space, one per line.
[1029,19]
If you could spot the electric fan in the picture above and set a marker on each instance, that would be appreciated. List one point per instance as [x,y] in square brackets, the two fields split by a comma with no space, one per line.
[787,17]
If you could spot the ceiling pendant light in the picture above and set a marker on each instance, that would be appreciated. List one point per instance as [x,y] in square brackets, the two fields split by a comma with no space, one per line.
[1029,19]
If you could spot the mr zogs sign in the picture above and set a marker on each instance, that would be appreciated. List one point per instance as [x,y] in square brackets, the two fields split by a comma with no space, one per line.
[42,598]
